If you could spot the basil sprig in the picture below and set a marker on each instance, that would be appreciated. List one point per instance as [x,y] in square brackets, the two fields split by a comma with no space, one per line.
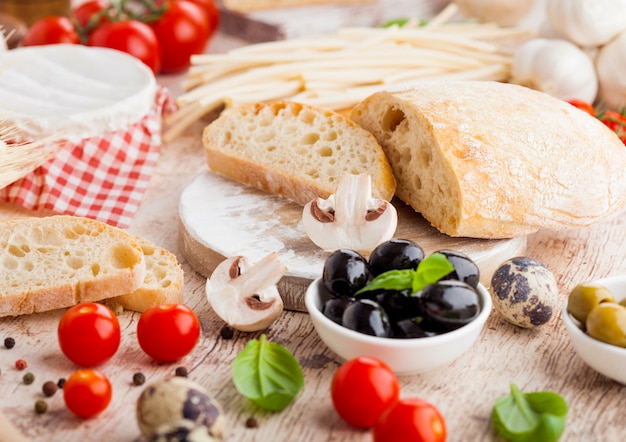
[267,374]
[537,417]
[430,270]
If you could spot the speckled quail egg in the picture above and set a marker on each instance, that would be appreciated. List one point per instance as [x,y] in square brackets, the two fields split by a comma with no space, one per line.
[524,291]
[179,409]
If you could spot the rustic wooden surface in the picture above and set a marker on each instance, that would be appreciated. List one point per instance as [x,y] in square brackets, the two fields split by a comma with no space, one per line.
[465,391]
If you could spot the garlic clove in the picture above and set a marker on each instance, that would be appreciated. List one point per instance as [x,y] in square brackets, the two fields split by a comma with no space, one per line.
[350,218]
[611,65]
[556,67]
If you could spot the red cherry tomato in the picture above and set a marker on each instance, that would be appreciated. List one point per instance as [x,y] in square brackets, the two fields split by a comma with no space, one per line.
[168,332]
[130,36]
[89,334]
[85,13]
[182,31]
[212,13]
[362,389]
[413,420]
[87,392]
[51,30]
[583,105]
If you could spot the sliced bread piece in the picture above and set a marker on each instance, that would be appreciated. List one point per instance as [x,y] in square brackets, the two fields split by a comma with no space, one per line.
[294,150]
[163,283]
[494,160]
[58,261]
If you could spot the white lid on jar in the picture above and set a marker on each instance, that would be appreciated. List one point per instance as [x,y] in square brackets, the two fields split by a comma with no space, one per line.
[72,91]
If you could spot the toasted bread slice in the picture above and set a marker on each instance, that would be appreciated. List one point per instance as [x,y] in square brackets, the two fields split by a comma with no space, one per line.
[58,261]
[163,283]
[294,150]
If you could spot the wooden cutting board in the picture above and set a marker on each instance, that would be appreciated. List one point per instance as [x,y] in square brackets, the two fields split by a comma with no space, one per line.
[219,218]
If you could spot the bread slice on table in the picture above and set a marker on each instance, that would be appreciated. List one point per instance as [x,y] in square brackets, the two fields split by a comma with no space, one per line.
[163,284]
[294,150]
[58,261]
[495,160]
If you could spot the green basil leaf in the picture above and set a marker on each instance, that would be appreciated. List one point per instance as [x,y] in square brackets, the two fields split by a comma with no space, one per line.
[391,280]
[267,374]
[537,416]
[431,270]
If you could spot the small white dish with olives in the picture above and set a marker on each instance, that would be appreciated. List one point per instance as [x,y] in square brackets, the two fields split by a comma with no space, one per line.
[595,319]
[414,312]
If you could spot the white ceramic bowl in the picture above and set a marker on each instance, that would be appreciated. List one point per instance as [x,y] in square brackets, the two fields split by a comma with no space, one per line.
[404,356]
[607,359]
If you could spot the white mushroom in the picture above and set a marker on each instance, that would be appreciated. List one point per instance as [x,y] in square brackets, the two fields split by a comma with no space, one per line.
[245,296]
[350,218]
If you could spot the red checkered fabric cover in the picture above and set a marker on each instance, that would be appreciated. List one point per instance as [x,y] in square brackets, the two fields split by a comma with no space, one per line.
[103,178]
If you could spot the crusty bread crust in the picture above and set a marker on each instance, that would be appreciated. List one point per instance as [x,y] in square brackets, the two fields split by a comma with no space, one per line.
[495,160]
[58,261]
[294,150]
[163,284]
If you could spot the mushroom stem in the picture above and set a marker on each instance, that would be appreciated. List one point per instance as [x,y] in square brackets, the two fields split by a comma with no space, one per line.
[264,273]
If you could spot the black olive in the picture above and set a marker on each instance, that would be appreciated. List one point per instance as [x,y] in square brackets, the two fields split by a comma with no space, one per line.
[345,271]
[410,328]
[333,308]
[366,316]
[448,305]
[399,305]
[395,254]
[465,269]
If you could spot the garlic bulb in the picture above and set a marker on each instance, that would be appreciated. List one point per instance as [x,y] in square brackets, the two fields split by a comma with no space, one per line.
[587,22]
[610,66]
[502,12]
[556,67]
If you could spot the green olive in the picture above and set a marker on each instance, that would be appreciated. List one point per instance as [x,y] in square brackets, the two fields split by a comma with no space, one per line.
[607,323]
[584,298]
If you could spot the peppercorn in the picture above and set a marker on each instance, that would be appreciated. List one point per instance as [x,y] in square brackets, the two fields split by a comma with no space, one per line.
[61,382]
[28,378]
[21,364]
[49,388]
[251,422]
[139,379]
[9,343]
[227,332]
[41,406]
[181,371]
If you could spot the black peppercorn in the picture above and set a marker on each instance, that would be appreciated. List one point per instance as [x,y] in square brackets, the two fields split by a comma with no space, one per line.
[227,332]
[139,379]
[251,422]
[28,378]
[49,388]
[9,343]
[181,371]
[41,406]
[61,382]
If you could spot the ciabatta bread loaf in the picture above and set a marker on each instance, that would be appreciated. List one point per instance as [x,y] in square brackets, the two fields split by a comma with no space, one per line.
[163,284]
[58,261]
[256,5]
[494,160]
[294,150]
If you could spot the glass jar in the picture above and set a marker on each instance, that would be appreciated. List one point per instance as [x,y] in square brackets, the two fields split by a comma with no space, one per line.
[30,11]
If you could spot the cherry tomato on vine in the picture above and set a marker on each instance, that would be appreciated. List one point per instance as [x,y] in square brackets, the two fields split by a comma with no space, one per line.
[89,334]
[51,30]
[131,36]
[168,332]
[616,122]
[583,105]
[361,389]
[211,11]
[410,420]
[181,31]
[85,13]
[87,392]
